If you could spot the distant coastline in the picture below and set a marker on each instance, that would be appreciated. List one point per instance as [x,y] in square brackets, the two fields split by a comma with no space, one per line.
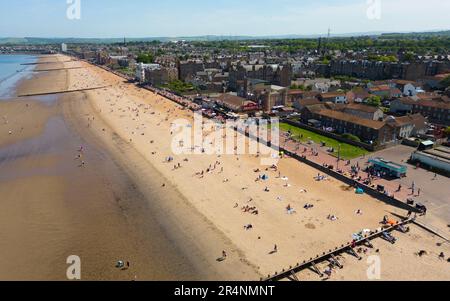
[205,38]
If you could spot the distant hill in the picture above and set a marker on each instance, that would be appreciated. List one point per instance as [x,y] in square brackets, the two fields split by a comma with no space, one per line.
[443,33]
[42,41]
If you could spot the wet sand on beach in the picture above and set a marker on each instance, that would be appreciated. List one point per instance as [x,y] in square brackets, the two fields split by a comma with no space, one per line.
[53,208]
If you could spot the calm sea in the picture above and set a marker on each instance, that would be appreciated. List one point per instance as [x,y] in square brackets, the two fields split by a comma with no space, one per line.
[12,70]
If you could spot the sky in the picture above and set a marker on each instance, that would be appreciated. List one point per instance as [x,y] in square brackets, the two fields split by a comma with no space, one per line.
[172,18]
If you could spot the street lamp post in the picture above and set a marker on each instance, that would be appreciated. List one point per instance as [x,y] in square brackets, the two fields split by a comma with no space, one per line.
[339,156]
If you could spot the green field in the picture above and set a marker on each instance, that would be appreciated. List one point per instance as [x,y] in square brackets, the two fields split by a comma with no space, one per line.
[347,151]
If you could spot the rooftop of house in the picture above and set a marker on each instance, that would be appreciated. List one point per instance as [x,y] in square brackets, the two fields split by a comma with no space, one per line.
[427,95]
[308,101]
[443,102]
[359,93]
[361,107]
[380,88]
[233,101]
[296,92]
[395,91]
[275,88]
[333,94]
[402,82]
[416,119]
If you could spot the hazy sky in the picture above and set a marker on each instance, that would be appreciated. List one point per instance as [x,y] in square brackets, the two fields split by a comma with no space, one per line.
[150,18]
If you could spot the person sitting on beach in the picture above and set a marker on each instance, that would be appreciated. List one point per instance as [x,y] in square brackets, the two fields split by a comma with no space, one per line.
[422,253]
[248,227]
[332,218]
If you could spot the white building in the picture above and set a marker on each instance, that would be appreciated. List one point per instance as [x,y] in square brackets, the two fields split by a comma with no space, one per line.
[140,72]
[141,68]
[64,47]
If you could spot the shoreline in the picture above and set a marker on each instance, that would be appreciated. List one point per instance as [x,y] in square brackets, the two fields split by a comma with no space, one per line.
[127,133]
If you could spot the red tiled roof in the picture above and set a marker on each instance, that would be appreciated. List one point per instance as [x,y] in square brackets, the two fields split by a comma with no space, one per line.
[380,88]
[417,119]
[373,124]
[361,107]
[332,94]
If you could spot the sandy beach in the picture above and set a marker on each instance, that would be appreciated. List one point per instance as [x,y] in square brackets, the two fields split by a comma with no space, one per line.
[171,220]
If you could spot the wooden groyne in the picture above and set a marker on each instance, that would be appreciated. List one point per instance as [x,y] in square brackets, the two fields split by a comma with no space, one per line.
[44,63]
[57,69]
[311,263]
[62,92]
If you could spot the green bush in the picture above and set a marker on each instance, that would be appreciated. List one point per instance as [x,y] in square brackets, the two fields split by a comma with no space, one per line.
[145,58]
[374,101]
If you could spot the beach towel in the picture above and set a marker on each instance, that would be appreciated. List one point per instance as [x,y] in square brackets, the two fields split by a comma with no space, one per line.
[359,191]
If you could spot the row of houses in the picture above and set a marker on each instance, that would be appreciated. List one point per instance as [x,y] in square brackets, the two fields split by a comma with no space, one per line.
[368,123]
[365,122]
[376,70]
[435,107]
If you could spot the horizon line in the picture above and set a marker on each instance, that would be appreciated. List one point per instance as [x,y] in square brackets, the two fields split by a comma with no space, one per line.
[375,32]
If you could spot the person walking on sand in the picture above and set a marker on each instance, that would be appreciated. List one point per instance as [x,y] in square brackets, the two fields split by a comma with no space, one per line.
[275,249]
[224,255]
